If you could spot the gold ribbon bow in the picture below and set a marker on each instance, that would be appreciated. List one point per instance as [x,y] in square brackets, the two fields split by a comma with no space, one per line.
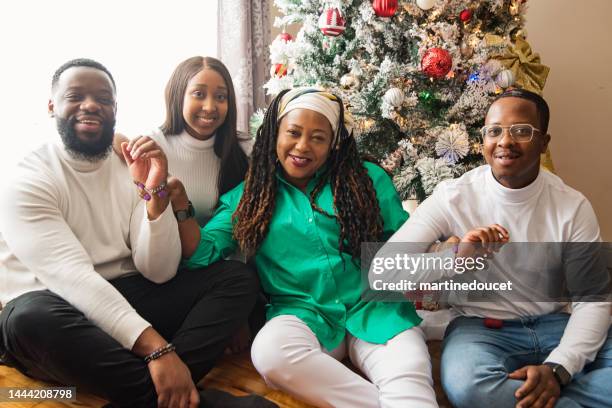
[546,161]
[529,72]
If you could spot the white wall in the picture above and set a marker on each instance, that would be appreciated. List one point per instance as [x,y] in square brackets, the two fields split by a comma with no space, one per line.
[574,40]
[139,41]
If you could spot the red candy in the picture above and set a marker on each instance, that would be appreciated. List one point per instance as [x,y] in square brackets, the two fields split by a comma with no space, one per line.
[493,323]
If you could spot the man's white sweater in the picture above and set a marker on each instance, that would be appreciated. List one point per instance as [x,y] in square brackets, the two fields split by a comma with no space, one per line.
[70,225]
[547,210]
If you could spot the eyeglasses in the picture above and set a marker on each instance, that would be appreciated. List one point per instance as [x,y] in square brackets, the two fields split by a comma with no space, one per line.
[519,132]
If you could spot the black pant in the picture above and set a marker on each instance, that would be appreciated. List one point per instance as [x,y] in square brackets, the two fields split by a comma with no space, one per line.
[42,335]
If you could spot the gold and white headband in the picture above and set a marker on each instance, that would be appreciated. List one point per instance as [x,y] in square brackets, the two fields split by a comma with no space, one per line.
[313,99]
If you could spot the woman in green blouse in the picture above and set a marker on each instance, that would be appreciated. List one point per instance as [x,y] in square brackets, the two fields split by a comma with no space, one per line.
[307,204]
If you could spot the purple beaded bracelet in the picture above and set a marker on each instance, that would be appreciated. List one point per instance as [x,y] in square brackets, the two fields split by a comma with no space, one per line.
[160,190]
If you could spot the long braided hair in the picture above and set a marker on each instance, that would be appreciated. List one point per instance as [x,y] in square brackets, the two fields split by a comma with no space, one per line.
[355,203]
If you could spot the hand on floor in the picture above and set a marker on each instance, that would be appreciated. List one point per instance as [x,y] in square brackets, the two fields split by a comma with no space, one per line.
[241,341]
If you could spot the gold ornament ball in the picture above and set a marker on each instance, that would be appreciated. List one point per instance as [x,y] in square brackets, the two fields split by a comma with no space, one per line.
[515,7]
[349,81]
[518,32]
[466,50]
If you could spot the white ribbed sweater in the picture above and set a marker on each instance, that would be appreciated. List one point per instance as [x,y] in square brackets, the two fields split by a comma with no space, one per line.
[194,162]
[70,226]
[547,210]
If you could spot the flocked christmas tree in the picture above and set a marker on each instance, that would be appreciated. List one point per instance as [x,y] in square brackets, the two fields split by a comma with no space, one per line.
[416,75]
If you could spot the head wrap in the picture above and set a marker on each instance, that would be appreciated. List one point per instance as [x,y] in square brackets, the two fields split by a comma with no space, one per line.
[316,100]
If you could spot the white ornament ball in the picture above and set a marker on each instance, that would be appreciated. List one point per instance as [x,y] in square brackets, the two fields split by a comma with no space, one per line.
[425,4]
[394,97]
[350,80]
[505,79]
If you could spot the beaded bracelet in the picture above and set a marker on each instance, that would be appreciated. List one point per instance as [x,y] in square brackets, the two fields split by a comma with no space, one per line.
[455,249]
[160,190]
[168,348]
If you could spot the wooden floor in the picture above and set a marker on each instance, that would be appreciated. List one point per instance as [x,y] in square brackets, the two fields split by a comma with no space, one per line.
[234,374]
[12,378]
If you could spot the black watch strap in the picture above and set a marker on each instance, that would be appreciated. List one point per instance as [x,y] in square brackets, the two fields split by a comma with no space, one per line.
[560,373]
[182,215]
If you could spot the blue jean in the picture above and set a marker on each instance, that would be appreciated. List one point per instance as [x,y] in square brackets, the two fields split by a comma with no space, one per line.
[476,362]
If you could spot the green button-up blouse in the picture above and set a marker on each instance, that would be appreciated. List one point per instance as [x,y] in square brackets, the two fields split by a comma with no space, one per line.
[301,268]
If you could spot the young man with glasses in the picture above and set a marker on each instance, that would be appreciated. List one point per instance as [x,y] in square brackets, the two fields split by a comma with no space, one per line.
[523,352]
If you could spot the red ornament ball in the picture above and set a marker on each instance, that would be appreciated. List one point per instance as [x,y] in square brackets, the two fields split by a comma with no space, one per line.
[436,63]
[331,22]
[384,8]
[466,15]
[286,37]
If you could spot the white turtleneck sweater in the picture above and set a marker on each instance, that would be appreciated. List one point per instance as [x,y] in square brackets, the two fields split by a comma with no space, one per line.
[547,210]
[194,162]
[70,226]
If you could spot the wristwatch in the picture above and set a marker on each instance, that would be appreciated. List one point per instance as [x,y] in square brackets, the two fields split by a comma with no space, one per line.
[182,215]
[560,373]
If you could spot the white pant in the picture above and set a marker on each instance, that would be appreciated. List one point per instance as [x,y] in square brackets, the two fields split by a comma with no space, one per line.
[289,357]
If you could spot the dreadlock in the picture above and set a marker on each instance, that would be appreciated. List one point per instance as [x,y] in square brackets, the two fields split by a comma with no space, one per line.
[255,209]
[355,202]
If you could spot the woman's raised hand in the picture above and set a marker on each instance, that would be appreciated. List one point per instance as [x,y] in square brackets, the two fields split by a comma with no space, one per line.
[147,162]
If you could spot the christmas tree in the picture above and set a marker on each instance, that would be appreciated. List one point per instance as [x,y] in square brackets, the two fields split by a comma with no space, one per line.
[416,75]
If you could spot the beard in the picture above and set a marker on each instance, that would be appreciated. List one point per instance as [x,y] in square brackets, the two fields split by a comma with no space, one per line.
[90,151]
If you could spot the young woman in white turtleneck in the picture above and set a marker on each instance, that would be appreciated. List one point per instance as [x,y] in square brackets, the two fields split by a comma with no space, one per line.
[199,134]
[200,139]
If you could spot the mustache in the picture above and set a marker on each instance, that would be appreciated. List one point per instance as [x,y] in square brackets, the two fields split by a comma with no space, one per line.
[73,120]
[90,151]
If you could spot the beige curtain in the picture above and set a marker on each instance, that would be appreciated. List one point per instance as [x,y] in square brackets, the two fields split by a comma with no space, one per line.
[243,46]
